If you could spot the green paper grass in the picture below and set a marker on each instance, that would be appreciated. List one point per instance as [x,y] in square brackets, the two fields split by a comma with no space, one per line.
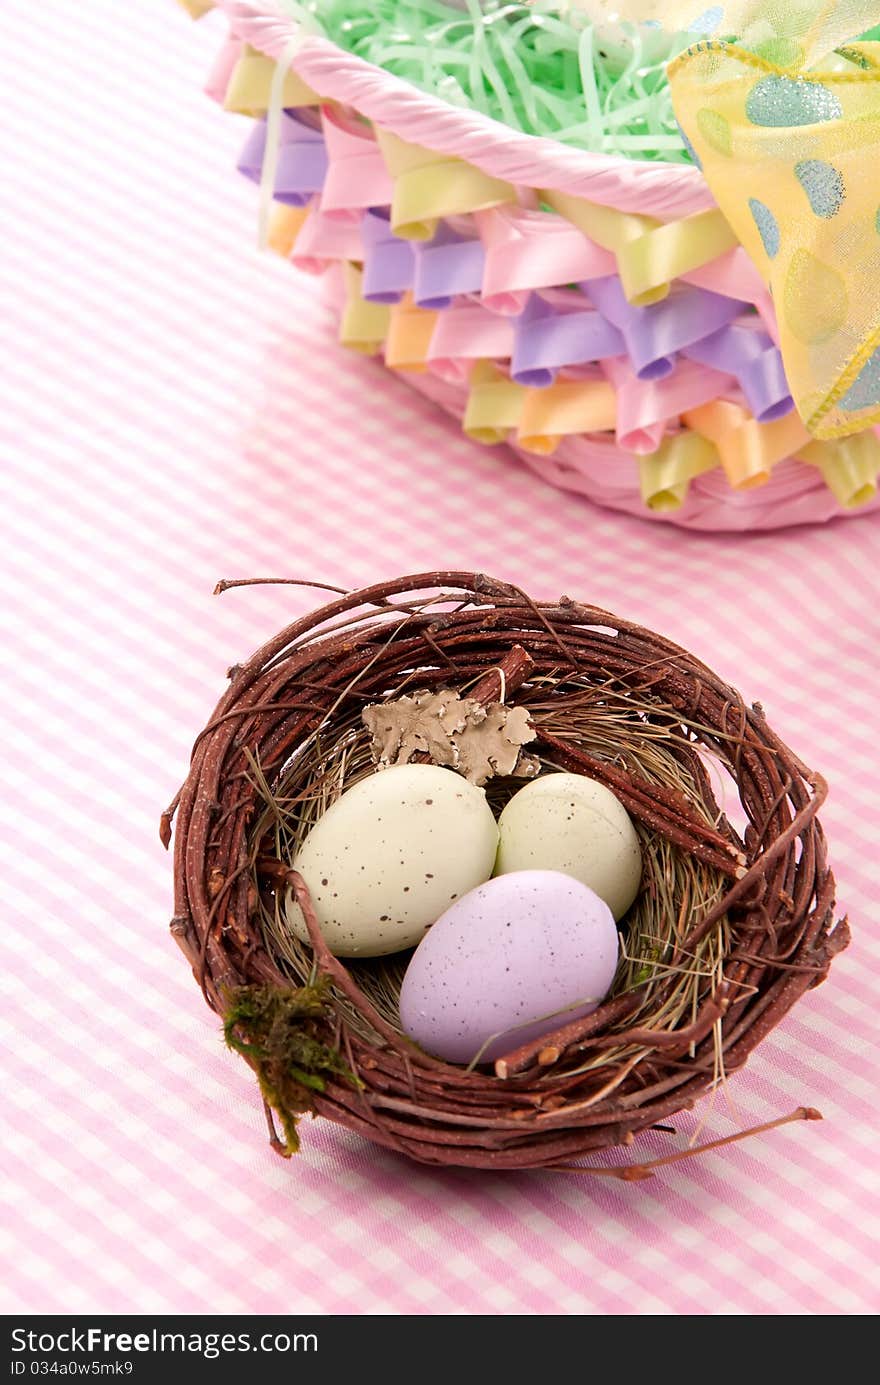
[528,66]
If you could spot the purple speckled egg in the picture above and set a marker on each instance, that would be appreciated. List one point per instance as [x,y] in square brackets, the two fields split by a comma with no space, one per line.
[511,960]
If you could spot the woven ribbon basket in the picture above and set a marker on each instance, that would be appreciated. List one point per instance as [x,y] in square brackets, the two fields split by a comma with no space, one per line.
[595,312]
[732,926]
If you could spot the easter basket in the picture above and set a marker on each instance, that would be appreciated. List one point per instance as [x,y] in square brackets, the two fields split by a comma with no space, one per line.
[734,920]
[536,245]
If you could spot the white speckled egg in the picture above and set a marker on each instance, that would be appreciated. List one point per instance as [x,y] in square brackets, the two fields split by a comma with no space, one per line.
[390,855]
[516,958]
[570,823]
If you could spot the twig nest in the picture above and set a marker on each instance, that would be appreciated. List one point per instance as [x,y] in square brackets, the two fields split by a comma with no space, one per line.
[733,921]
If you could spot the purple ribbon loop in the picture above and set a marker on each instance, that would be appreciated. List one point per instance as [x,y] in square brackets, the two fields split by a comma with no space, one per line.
[389,263]
[756,362]
[548,339]
[302,159]
[447,266]
[655,335]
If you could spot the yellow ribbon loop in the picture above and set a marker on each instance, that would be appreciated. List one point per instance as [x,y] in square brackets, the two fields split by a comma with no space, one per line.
[494,404]
[428,186]
[790,152]
[650,254]
[747,450]
[666,474]
[364,325]
[250,86]
[849,468]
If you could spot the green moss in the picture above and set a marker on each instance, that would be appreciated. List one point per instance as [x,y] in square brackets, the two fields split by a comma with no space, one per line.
[284,1033]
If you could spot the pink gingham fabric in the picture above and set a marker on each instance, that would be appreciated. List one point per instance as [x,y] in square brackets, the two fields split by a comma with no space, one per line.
[173,409]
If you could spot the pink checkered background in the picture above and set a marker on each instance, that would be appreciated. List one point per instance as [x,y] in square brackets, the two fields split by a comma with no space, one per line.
[173,409]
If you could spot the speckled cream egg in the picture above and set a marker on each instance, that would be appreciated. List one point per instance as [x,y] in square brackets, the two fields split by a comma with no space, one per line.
[570,823]
[515,959]
[390,855]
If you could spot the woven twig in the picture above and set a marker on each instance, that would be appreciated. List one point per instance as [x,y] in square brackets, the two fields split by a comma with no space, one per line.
[596,1082]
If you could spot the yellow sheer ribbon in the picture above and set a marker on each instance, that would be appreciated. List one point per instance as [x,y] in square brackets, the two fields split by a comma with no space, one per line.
[790,32]
[786,125]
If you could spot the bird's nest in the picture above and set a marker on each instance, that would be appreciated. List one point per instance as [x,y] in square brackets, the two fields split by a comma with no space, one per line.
[735,919]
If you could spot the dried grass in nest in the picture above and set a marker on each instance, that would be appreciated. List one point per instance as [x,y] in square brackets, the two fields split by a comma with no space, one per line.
[727,933]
